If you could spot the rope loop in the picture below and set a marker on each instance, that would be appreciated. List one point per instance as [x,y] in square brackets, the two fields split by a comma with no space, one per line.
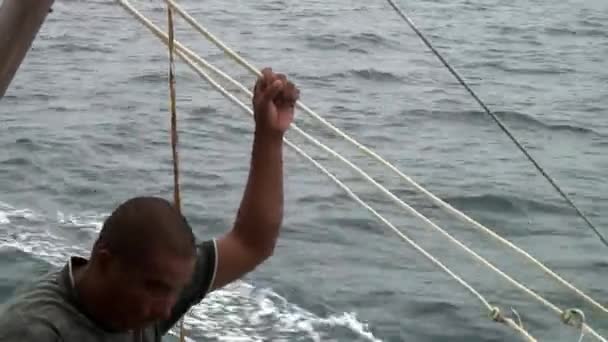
[573,317]
[496,315]
[576,318]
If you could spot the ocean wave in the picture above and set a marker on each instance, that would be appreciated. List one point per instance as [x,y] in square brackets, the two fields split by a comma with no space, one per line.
[16,161]
[541,69]
[504,204]
[522,119]
[362,42]
[326,41]
[150,77]
[370,74]
[8,212]
[275,5]
[600,143]
[375,75]
[358,50]
[71,47]
[560,31]
[91,222]
[203,110]
[26,145]
[596,31]
[566,127]
[508,29]
[596,266]
[369,38]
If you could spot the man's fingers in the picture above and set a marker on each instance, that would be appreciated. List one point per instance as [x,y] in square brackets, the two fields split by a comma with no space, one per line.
[268,76]
[266,70]
[256,86]
[290,92]
[281,77]
[264,81]
[273,90]
[276,87]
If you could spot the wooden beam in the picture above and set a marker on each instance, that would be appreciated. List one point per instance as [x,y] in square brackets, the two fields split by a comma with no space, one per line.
[20,21]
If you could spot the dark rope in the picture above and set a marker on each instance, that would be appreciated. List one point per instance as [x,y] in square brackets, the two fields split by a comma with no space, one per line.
[176,197]
[500,124]
[176,194]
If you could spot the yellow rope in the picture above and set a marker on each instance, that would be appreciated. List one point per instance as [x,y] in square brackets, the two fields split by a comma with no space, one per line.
[176,195]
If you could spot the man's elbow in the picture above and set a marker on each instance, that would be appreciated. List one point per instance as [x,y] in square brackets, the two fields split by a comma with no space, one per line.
[260,239]
[269,243]
[260,247]
[264,250]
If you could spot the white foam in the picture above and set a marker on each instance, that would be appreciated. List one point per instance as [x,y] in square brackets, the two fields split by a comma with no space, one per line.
[4,218]
[238,312]
[7,212]
[5,206]
[91,222]
[252,314]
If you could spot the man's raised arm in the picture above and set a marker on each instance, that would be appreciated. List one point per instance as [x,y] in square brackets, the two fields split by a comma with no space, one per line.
[253,237]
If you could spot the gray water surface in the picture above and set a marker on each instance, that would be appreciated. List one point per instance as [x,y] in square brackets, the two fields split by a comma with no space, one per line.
[85,126]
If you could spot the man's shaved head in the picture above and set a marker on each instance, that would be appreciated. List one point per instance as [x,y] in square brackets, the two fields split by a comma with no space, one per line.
[144,256]
[144,225]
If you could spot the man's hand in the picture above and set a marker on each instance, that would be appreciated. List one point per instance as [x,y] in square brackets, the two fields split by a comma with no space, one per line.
[274,98]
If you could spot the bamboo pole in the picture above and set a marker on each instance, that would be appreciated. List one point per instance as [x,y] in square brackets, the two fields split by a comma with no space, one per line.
[20,21]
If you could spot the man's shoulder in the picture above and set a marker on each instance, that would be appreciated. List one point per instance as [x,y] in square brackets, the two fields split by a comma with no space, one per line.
[29,315]
[45,290]
[27,328]
[36,311]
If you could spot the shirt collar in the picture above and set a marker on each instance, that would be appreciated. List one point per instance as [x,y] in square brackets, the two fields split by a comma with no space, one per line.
[67,279]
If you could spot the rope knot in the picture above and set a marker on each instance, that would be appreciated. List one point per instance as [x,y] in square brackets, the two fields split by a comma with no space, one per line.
[573,317]
[496,315]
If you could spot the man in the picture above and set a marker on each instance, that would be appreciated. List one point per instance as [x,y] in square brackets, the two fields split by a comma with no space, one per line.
[145,270]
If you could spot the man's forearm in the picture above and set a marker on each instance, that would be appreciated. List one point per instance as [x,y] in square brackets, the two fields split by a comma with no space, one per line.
[261,212]
[256,229]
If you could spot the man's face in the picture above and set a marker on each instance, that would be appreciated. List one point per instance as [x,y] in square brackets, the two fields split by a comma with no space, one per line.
[144,292]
